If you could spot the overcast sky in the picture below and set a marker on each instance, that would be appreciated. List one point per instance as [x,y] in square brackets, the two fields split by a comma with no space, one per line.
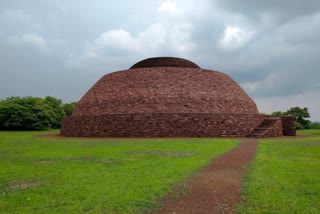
[61,48]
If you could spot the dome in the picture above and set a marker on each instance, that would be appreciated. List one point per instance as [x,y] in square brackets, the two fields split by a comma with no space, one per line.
[165,62]
[170,97]
[165,85]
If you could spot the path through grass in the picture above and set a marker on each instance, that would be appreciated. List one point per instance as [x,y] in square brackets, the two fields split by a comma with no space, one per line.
[285,177]
[96,176]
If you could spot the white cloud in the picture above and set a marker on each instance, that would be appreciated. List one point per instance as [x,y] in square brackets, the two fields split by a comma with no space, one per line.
[235,37]
[119,39]
[119,45]
[153,37]
[170,7]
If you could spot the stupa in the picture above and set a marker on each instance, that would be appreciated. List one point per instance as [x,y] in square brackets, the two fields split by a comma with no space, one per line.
[170,97]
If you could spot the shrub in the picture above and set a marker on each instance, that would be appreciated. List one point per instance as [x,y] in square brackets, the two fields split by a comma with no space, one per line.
[30,113]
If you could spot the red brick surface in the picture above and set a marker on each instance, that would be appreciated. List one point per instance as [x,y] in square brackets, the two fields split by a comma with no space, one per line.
[289,128]
[161,125]
[165,90]
[167,97]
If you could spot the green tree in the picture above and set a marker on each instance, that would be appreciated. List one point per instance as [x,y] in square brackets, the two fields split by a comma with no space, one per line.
[300,115]
[55,106]
[68,108]
[315,125]
[27,113]
[31,113]
[278,113]
[298,125]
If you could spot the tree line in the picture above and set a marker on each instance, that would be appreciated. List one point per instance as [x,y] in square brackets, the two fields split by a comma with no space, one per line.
[300,115]
[33,113]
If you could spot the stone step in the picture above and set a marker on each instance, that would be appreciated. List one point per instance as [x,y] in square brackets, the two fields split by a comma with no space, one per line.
[262,128]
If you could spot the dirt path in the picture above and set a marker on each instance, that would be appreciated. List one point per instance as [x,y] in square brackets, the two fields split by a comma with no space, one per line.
[217,188]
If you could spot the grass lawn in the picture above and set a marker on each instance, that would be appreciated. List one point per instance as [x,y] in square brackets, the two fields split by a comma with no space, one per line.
[315,132]
[97,176]
[285,177]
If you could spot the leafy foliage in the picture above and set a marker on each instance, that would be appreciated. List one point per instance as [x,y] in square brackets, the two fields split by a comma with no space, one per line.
[278,113]
[68,108]
[315,125]
[30,113]
[299,114]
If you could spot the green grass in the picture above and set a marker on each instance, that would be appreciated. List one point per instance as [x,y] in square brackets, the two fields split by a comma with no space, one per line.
[96,176]
[285,177]
[315,132]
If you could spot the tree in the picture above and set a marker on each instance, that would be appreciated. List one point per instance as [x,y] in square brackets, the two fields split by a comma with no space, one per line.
[315,125]
[32,113]
[26,113]
[278,113]
[298,125]
[68,108]
[55,106]
[299,115]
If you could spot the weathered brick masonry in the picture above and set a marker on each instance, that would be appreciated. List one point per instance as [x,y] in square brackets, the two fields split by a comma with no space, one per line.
[165,89]
[289,128]
[167,97]
[161,125]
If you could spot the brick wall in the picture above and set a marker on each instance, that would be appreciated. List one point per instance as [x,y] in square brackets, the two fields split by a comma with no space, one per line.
[276,129]
[289,128]
[161,125]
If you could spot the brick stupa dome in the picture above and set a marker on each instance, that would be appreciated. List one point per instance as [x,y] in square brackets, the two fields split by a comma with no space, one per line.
[173,86]
[156,96]
[165,62]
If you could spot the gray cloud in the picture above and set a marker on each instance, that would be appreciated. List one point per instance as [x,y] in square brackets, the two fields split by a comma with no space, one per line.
[278,11]
[60,48]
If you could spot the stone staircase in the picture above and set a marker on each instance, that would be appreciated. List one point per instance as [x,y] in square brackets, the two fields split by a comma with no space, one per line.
[270,127]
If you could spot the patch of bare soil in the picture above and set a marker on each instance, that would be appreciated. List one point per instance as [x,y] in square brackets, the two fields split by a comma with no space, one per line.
[21,185]
[217,187]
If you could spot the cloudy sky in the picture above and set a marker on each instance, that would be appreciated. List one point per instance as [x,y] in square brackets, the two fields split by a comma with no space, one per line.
[61,48]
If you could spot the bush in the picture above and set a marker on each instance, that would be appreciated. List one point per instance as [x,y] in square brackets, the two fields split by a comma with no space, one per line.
[31,113]
[68,108]
[315,125]
[298,125]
